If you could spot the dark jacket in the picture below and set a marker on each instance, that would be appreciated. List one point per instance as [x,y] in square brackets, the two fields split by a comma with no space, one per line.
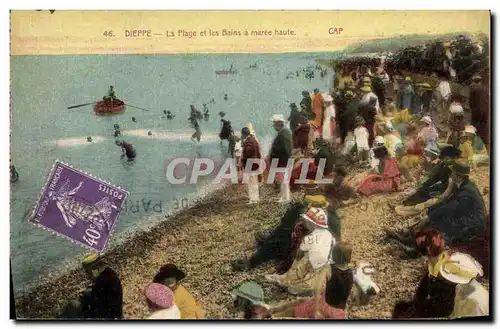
[251,150]
[307,102]
[479,103]
[460,217]
[105,298]
[301,136]
[282,147]
[294,119]
[338,287]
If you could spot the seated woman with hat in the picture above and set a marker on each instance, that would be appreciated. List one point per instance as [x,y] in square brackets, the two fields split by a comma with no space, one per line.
[471,298]
[249,300]
[472,148]
[330,303]
[429,134]
[384,178]
[309,270]
[160,299]
[171,276]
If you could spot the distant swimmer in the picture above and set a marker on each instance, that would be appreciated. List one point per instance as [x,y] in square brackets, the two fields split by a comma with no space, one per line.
[225,97]
[206,113]
[170,116]
[212,101]
[14,176]
[117,132]
[222,114]
[89,139]
[195,113]
[133,119]
[226,130]
[111,94]
[297,73]
[127,150]
[196,126]
[150,133]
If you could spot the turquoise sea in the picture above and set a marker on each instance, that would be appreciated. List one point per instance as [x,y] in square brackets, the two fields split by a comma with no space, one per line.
[43,130]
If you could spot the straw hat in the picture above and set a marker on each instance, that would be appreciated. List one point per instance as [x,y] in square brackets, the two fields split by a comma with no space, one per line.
[408,79]
[379,141]
[460,268]
[456,108]
[317,216]
[349,94]
[366,89]
[160,295]
[469,130]
[250,291]
[427,119]
[318,201]
[278,118]
[90,259]
[424,85]
[327,98]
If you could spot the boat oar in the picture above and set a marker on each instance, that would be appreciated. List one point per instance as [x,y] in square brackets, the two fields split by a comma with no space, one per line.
[76,106]
[140,108]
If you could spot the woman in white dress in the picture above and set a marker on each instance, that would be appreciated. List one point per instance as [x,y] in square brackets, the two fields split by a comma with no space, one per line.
[329,123]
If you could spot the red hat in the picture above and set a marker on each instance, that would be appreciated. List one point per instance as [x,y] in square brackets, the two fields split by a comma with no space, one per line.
[317,216]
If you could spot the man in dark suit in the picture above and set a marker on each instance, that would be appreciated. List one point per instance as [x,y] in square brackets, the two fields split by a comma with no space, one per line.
[281,149]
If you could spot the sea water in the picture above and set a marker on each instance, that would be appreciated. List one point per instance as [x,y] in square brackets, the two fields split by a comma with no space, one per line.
[43,130]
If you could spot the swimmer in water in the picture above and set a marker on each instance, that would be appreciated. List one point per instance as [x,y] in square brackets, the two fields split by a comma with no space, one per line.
[89,139]
[206,113]
[14,176]
[117,132]
[150,133]
[196,126]
[170,116]
[222,114]
[225,97]
[127,150]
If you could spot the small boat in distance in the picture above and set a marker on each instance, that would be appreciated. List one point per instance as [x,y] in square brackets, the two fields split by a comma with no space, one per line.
[108,107]
[226,72]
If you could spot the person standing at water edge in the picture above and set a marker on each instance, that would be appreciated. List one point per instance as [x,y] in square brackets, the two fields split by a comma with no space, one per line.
[251,150]
[329,123]
[127,150]
[281,149]
[318,112]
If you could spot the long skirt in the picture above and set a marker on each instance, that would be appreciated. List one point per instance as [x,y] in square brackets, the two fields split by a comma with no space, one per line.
[303,278]
[253,188]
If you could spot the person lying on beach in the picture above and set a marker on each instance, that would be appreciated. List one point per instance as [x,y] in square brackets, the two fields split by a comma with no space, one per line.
[171,276]
[160,299]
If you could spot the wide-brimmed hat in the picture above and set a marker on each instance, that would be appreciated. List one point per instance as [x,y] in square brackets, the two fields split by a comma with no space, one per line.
[456,108]
[366,89]
[170,271]
[476,77]
[278,118]
[160,295]
[432,149]
[379,141]
[317,201]
[349,94]
[460,268]
[366,79]
[424,85]
[461,167]
[427,119]
[90,258]
[250,291]
[469,130]
[317,216]
[327,98]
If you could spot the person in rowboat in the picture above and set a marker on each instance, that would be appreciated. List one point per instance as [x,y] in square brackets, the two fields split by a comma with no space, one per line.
[111,94]
[127,150]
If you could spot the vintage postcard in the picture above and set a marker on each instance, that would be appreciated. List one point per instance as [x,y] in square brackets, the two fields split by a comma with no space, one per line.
[250,164]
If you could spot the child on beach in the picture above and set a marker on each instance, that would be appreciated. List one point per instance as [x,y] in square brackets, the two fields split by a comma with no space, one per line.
[160,299]
[361,135]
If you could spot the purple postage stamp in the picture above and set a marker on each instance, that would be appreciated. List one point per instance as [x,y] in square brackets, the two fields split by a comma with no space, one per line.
[79,207]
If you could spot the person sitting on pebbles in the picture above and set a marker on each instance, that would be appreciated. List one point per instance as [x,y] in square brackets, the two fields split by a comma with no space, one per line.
[171,276]
[309,269]
[249,303]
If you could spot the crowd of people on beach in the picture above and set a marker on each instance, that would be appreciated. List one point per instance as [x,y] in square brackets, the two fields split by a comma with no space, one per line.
[375,132]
